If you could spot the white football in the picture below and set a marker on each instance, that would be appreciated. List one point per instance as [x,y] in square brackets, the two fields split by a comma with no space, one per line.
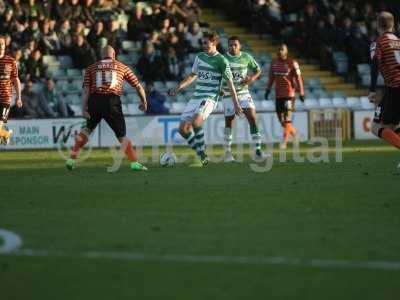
[167,159]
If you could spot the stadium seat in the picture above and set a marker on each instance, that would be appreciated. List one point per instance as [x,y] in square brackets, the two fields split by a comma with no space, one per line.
[74,73]
[353,102]
[159,85]
[311,103]
[124,58]
[75,85]
[258,104]
[65,61]
[325,102]
[337,94]
[73,99]
[313,83]
[171,84]
[365,104]
[49,60]
[260,95]
[128,46]
[77,109]
[299,105]
[365,80]
[183,98]
[363,69]
[268,105]
[128,88]
[320,93]
[62,85]
[133,109]
[37,87]
[339,102]
[56,73]
[177,107]
[341,63]
[132,97]
[125,110]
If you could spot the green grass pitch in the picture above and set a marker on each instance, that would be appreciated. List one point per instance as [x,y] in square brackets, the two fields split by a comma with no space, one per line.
[300,231]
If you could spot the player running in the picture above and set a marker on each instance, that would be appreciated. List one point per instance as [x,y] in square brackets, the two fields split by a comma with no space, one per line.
[103,84]
[245,71]
[286,75]
[210,68]
[8,80]
[385,56]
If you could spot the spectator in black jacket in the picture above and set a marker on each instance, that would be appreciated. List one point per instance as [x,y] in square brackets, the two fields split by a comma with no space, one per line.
[138,25]
[88,12]
[150,65]
[35,67]
[82,53]
[62,10]
[76,10]
[95,34]
[32,32]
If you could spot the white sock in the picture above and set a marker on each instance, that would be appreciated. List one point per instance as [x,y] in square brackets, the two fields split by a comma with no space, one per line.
[228,139]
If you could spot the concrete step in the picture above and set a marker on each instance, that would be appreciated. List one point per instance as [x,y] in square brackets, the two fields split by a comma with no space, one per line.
[330,81]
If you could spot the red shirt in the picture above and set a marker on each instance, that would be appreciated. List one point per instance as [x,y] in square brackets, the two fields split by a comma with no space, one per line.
[386,49]
[107,76]
[8,72]
[287,77]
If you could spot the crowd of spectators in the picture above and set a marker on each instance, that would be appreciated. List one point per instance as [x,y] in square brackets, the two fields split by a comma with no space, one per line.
[165,31]
[317,27]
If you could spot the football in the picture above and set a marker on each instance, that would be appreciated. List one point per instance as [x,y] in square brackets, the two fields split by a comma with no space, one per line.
[167,159]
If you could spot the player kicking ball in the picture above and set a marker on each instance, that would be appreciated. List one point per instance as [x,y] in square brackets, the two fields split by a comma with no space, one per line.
[210,68]
[8,80]
[245,71]
[103,83]
[386,59]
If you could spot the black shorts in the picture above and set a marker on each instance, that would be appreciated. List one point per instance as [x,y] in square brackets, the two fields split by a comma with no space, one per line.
[107,107]
[4,111]
[284,105]
[388,111]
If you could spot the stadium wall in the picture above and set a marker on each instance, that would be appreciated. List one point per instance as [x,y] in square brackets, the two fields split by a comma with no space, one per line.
[144,130]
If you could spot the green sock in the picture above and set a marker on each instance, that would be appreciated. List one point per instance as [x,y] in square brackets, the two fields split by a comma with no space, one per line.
[256,137]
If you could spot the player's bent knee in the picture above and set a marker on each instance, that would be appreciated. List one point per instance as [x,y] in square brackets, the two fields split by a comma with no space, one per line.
[184,128]
[198,121]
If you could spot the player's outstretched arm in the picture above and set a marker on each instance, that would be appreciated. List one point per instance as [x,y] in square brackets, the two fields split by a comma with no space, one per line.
[235,99]
[142,95]
[17,87]
[182,85]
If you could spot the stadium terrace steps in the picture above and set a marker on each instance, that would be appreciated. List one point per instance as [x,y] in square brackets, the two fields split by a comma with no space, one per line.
[330,81]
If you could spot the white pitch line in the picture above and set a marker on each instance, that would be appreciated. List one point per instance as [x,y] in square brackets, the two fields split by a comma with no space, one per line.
[217,259]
